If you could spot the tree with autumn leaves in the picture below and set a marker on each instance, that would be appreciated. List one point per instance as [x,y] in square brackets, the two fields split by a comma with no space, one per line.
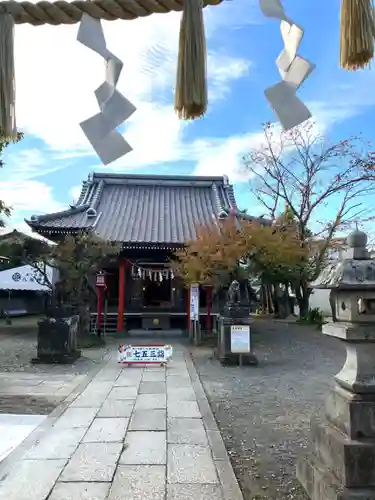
[236,247]
[212,257]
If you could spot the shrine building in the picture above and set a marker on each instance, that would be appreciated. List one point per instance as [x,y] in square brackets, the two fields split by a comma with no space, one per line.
[152,216]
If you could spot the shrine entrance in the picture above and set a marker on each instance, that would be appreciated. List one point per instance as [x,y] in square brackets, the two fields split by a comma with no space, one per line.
[157,294]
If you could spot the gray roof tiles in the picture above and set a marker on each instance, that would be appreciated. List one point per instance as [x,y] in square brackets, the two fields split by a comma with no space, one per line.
[155,214]
[143,208]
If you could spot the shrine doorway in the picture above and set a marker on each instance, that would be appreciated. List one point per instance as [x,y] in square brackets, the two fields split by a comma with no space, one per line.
[157,294]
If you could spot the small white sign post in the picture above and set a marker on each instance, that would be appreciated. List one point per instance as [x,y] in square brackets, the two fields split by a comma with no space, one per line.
[194,309]
[240,340]
[194,302]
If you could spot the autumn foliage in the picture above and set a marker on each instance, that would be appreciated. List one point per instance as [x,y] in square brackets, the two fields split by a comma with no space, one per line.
[215,255]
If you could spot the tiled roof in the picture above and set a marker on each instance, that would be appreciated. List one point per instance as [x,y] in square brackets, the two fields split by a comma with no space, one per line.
[148,209]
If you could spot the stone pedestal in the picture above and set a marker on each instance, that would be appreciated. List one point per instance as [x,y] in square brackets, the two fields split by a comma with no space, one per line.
[342,465]
[57,340]
[233,315]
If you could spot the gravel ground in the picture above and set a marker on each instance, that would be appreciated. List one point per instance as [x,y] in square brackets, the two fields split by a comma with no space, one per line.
[16,351]
[264,412]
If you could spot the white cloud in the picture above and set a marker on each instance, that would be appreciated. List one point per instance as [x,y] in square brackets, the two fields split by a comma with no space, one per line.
[225,156]
[27,197]
[74,193]
[55,90]
[56,78]
[223,70]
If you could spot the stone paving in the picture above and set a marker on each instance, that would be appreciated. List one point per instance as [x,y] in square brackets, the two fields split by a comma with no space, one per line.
[37,384]
[131,434]
[35,393]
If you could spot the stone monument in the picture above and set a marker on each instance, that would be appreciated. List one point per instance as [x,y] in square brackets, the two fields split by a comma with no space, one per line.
[236,313]
[342,464]
[57,337]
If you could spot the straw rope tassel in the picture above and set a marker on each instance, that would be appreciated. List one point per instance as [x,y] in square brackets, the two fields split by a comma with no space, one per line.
[357,30]
[191,84]
[7,77]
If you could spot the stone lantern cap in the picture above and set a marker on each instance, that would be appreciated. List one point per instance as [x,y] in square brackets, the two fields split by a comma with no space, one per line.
[355,271]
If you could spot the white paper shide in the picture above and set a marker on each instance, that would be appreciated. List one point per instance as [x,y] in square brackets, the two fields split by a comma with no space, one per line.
[293,69]
[115,109]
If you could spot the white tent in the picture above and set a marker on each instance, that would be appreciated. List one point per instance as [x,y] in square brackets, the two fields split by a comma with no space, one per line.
[24,278]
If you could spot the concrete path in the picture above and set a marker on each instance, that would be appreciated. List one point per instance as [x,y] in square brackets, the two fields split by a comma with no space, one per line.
[131,434]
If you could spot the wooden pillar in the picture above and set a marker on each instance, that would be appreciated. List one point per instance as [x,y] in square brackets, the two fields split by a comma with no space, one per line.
[208,308]
[100,308]
[121,295]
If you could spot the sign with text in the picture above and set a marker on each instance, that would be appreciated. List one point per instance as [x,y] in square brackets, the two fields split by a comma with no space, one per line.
[194,302]
[240,339]
[144,354]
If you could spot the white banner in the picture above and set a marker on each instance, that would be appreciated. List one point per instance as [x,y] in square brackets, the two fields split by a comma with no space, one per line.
[194,302]
[144,354]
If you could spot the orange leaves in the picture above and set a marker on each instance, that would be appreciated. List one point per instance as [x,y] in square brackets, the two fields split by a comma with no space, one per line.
[212,256]
[217,250]
[271,247]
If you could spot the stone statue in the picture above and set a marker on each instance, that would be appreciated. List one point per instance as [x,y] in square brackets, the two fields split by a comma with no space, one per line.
[245,291]
[234,293]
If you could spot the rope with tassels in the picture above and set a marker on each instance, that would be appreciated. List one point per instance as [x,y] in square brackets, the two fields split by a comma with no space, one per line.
[191,85]
[357,31]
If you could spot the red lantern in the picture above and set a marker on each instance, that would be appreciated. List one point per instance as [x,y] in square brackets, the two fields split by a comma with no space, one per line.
[100,280]
[101,286]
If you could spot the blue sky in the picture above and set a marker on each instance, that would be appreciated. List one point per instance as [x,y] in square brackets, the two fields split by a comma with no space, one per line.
[56,79]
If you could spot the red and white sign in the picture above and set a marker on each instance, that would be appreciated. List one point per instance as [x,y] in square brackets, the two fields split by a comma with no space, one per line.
[144,354]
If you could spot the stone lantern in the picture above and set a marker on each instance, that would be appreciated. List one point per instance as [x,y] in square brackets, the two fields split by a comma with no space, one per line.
[342,464]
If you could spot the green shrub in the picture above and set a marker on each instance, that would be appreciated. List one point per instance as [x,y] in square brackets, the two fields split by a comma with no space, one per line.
[313,317]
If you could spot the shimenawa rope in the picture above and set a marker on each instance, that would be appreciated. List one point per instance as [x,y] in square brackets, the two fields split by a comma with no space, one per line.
[62,12]
[356,42]
[191,85]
